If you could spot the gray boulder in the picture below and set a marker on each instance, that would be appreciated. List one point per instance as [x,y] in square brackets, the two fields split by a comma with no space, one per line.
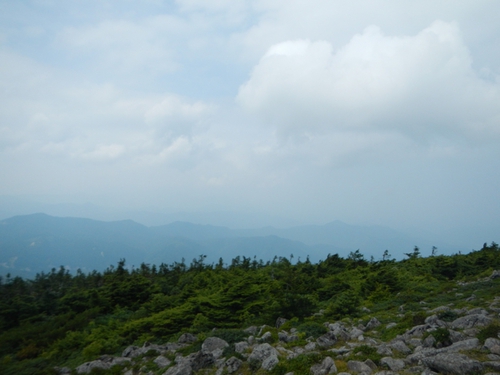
[461,345]
[310,346]
[371,364]
[251,330]
[326,340]
[495,275]
[453,363]
[214,345]
[434,321]
[393,364]
[327,366]
[202,359]
[266,337]
[359,367]
[285,337]
[493,345]
[103,363]
[135,351]
[131,351]
[233,364]
[355,333]
[269,363]
[187,338]
[401,347]
[470,321]
[417,331]
[180,369]
[373,323]
[384,350]
[162,361]
[241,347]
[456,336]
[262,352]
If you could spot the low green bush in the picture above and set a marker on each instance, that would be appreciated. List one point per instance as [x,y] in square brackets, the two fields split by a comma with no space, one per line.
[491,330]
[312,329]
[298,365]
[364,352]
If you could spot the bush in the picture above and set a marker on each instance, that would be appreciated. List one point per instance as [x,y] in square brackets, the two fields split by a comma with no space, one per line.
[230,335]
[345,305]
[448,316]
[298,365]
[364,352]
[312,329]
[492,330]
[442,337]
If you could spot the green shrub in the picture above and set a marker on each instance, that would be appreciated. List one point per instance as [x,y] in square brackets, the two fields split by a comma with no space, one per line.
[491,330]
[448,316]
[364,352]
[345,305]
[412,319]
[230,335]
[229,351]
[312,329]
[442,337]
[298,365]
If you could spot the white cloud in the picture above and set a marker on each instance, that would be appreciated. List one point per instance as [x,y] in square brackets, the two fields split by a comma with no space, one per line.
[421,85]
[127,46]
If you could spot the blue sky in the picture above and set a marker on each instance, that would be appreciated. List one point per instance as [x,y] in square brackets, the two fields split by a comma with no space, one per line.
[370,112]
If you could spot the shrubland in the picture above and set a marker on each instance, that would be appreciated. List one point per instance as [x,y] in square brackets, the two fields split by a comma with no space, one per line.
[64,319]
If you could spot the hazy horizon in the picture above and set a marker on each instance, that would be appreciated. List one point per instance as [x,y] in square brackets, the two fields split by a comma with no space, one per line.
[280,113]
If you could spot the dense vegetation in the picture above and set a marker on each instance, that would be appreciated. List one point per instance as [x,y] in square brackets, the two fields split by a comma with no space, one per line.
[64,319]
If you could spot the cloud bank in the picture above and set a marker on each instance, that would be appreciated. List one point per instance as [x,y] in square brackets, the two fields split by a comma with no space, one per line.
[382,112]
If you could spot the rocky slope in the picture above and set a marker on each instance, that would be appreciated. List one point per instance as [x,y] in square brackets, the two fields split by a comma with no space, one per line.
[450,340]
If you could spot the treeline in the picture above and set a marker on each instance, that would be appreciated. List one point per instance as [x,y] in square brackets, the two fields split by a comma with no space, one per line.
[62,318]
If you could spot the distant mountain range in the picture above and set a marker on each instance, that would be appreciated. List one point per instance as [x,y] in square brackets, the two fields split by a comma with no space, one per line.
[33,243]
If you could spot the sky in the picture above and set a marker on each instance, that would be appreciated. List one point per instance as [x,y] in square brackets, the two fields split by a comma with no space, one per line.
[380,112]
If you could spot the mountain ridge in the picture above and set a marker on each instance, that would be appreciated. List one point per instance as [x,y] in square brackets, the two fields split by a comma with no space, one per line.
[38,242]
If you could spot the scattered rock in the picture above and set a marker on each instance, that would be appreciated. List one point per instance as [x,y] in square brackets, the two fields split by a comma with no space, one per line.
[103,363]
[393,364]
[269,363]
[359,367]
[453,363]
[470,321]
[355,334]
[162,361]
[180,369]
[493,345]
[495,275]
[266,337]
[373,323]
[233,364]
[326,367]
[241,347]
[203,359]
[326,340]
[214,345]
[262,352]
[187,338]
[401,347]
[384,350]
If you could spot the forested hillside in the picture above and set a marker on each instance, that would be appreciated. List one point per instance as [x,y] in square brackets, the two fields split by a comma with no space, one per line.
[61,319]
